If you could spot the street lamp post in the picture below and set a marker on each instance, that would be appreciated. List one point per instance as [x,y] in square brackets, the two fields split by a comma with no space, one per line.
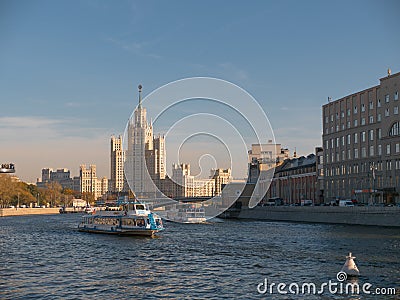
[373,169]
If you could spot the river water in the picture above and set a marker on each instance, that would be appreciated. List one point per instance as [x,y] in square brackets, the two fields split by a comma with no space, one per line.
[45,257]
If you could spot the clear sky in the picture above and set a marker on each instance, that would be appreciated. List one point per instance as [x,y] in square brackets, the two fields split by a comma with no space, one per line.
[69,70]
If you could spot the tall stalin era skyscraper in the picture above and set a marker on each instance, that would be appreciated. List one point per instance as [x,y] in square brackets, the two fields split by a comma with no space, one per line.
[145,155]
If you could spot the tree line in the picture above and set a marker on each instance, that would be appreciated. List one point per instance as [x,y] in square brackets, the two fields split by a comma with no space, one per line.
[13,193]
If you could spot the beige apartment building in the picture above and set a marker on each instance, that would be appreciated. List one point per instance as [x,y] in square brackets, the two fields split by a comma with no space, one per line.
[89,183]
[361,140]
[117,159]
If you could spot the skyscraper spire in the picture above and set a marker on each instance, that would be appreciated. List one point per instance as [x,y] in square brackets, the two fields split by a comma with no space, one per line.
[140,95]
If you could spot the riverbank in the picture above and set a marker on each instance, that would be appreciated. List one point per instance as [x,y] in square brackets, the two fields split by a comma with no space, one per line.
[357,215]
[8,212]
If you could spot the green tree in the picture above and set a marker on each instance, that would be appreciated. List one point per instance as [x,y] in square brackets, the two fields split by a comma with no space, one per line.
[54,190]
[6,189]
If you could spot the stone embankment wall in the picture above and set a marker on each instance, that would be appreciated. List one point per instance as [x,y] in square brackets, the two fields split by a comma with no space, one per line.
[357,215]
[6,212]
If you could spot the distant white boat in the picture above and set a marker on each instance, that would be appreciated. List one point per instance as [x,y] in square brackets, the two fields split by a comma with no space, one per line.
[350,267]
[187,213]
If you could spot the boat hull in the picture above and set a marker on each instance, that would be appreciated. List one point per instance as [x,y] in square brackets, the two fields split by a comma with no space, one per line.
[127,232]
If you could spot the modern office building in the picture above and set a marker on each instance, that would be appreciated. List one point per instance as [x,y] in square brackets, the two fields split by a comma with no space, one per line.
[117,179]
[361,140]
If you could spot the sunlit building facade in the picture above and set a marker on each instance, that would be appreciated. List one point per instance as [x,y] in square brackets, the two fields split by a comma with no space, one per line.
[361,140]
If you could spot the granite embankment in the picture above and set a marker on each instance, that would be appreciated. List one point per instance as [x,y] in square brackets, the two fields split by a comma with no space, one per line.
[7,212]
[357,215]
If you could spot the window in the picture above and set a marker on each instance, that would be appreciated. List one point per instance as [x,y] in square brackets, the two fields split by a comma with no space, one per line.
[362,107]
[395,129]
[371,135]
[379,149]
[396,110]
[349,112]
[342,114]
[355,109]
[342,126]
[343,141]
[355,153]
[343,155]
[348,139]
[348,154]
[337,116]
[387,98]
[379,103]
[371,119]
[355,123]
[379,118]
[332,144]
[326,119]
[387,112]
[337,142]
[396,95]
[371,105]
[362,121]
[337,128]
[371,150]
[363,152]
[388,149]
[355,138]
[331,118]
[397,147]
[363,136]
[348,124]
[327,144]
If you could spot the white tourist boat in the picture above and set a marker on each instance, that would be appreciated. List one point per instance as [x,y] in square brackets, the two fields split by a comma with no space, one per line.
[128,219]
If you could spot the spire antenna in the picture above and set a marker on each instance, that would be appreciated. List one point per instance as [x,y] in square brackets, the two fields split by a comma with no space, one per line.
[140,95]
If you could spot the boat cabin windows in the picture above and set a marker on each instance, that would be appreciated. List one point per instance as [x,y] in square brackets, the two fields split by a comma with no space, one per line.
[105,221]
[139,207]
[132,206]
[134,222]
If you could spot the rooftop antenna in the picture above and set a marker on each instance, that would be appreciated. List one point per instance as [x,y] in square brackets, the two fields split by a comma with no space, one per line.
[140,95]
[329,99]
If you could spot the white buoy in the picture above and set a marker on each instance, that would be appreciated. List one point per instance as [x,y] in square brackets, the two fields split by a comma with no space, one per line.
[350,267]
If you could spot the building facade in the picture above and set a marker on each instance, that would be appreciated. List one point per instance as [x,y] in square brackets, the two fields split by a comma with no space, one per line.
[361,140]
[117,159]
[62,176]
[221,177]
[89,183]
[140,154]
[295,180]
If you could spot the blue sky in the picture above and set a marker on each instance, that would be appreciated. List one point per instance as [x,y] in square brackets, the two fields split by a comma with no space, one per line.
[69,70]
